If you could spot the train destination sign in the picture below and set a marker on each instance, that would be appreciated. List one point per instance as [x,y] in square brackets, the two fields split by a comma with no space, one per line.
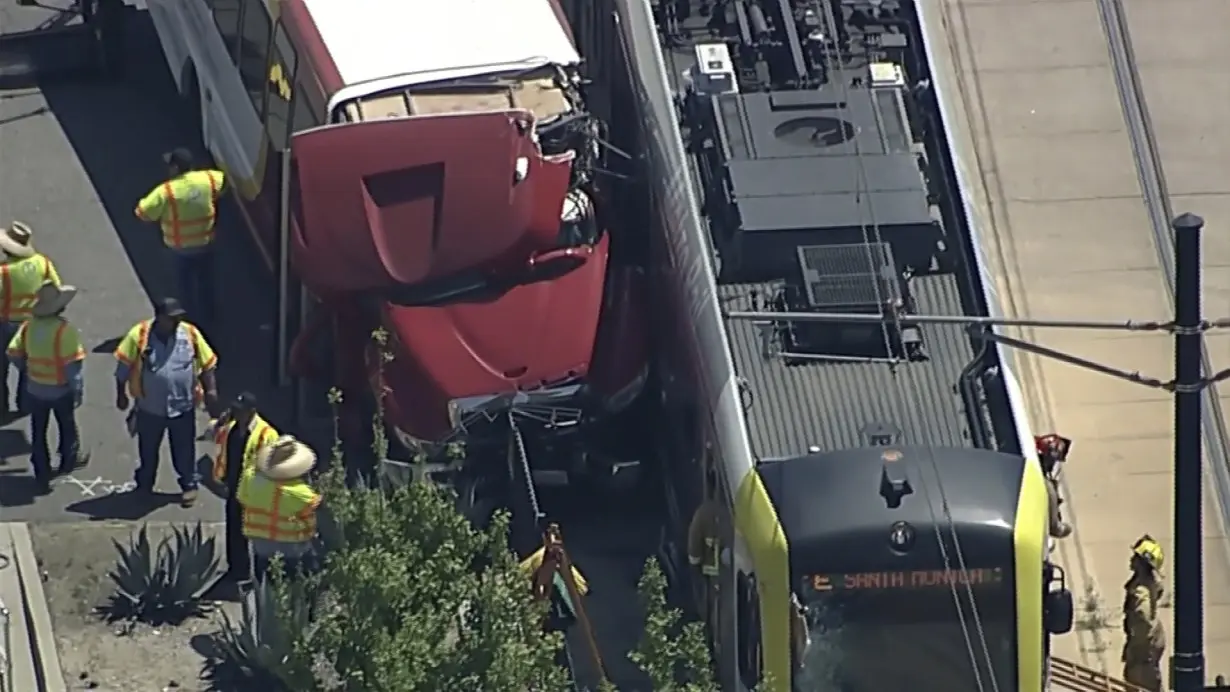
[907,579]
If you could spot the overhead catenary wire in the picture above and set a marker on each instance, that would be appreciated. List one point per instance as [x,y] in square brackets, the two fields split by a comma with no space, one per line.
[871,231]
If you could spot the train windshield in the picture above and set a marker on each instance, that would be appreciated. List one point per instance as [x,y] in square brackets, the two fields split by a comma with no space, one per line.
[901,632]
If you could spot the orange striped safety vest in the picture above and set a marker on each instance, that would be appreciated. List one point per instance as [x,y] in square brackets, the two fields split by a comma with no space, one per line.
[19,282]
[283,511]
[136,363]
[49,345]
[260,434]
[186,207]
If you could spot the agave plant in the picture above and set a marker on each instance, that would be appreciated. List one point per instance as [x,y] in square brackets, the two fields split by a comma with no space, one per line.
[166,584]
[257,649]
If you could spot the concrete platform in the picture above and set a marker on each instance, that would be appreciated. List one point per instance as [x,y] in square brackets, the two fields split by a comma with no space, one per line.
[1067,236]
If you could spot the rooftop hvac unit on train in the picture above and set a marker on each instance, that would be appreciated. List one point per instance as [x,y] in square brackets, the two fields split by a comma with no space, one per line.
[714,71]
[861,278]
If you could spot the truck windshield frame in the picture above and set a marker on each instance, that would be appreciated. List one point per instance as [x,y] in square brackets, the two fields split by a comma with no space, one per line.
[909,638]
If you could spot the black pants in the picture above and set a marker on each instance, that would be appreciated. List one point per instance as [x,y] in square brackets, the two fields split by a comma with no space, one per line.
[238,561]
[181,431]
[41,411]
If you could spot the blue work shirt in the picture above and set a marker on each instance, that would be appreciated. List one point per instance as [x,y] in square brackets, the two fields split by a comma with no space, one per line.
[168,376]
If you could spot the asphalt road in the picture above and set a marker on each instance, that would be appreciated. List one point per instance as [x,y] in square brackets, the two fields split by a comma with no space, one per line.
[74,158]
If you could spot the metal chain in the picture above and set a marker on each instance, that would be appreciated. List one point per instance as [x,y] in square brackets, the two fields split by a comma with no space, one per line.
[523,460]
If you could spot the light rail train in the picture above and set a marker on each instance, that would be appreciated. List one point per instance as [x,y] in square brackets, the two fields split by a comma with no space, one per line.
[883,514]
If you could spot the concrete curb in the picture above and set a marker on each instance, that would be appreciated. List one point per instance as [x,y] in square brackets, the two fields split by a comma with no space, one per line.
[36,658]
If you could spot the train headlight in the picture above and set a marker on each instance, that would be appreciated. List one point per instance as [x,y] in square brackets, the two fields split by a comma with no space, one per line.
[901,537]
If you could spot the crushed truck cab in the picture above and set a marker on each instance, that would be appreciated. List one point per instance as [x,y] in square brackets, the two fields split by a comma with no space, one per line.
[461,217]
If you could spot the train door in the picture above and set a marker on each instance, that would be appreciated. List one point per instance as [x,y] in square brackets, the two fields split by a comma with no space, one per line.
[747,638]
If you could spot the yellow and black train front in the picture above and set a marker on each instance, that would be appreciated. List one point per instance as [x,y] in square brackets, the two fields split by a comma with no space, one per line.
[908,569]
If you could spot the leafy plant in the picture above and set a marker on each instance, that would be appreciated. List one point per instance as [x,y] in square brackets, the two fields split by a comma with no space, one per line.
[259,649]
[673,654]
[413,597]
[163,584]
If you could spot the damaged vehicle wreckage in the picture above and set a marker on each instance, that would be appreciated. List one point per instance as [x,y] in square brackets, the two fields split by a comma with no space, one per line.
[440,223]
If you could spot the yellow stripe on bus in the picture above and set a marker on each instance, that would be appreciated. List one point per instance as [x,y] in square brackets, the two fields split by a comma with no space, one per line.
[1030,545]
[756,520]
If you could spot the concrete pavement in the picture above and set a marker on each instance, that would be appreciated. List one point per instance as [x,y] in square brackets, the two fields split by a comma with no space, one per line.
[74,158]
[1068,237]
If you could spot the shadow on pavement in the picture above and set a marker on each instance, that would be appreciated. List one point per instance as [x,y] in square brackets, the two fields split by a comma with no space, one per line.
[13,443]
[119,130]
[108,346]
[122,506]
[17,488]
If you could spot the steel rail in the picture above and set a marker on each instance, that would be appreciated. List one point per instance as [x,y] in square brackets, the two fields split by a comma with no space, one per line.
[1152,179]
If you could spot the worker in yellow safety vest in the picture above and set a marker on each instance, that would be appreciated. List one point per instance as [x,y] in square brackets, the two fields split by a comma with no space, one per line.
[49,349]
[167,367]
[240,433]
[279,507]
[186,207]
[24,270]
[1144,638]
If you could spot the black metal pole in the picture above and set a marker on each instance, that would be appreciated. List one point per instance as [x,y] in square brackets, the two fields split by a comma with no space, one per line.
[1187,663]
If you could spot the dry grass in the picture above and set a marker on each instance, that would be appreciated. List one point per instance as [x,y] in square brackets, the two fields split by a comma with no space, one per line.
[75,558]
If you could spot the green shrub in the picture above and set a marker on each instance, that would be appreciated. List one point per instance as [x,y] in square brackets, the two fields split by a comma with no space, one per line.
[163,584]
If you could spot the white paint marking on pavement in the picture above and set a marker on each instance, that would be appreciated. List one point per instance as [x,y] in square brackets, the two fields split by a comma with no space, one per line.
[98,486]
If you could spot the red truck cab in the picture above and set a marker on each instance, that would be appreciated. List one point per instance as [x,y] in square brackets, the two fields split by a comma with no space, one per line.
[485,260]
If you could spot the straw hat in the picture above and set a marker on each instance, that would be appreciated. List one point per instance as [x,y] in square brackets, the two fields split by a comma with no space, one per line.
[15,240]
[51,299]
[286,459]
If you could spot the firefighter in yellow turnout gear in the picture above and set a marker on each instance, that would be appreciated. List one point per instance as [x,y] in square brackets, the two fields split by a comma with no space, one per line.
[704,546]
[1145,639]
[22,272]
[185,206]
[48,349]
[240,435]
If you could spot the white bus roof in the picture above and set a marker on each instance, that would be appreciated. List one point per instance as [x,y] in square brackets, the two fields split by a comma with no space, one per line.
[433,40]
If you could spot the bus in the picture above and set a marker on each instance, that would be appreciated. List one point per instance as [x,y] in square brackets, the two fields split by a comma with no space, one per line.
[430,170]
[881,515]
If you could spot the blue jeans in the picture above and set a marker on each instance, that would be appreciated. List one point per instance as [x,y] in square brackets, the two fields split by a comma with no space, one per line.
[7,331]
[65,411]
[195,272]
[181,432]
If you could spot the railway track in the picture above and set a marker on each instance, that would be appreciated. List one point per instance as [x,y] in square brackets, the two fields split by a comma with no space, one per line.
[1151,172]
[1086,149]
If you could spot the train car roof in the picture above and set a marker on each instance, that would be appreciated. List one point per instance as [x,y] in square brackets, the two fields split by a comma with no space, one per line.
[814,493]
[374,39]
[828,405]
[792,408]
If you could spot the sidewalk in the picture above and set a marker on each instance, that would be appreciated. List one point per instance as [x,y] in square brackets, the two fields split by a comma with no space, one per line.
[1067,237]
[27,643]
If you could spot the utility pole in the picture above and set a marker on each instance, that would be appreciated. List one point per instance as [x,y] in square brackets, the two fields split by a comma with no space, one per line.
[1188,385]
[1187,663]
